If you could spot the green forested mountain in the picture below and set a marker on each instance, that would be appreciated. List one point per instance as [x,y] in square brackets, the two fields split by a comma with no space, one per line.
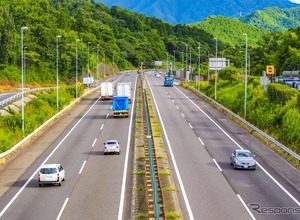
[231,30]
[274,19]
[128,38]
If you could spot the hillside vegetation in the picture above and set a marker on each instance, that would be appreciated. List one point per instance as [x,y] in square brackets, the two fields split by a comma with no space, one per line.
[231,30]
[274,19]
[126,39]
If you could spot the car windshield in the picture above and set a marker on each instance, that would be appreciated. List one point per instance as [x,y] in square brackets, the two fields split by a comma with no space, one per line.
[48,170]
[244,154]
[111,142]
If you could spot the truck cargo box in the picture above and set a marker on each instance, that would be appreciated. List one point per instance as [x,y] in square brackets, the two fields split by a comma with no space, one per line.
[120,106]
[124,89]
[107,90]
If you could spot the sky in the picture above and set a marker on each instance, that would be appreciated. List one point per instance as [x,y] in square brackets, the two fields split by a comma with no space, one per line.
[295,1]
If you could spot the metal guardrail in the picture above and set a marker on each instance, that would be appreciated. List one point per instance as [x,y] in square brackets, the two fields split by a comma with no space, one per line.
[19,96]
[41,127]
[154,204]
[286,149]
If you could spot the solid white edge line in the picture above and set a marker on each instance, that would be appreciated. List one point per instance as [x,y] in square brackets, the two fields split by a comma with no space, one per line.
[279,185]
[190,125]
[62,209]
[190,213]
[107,115]
[217,164]
[271,177]
[246,207]
[94,142]
[34,174]
[123,188]
[82,167]
[101,126]
[201,141]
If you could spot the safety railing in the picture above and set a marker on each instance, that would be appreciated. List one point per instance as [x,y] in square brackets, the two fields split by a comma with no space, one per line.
[271,139]
[18,96]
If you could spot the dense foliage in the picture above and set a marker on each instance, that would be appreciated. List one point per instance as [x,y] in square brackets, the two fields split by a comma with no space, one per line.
[274,19]
[127,39]
[118,35]
[275,110]
[231,30]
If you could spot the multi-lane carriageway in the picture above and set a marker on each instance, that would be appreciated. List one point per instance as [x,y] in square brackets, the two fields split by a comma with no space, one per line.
[198,139]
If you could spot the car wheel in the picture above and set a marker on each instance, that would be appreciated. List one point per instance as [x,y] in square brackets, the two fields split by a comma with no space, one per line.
[59,183]
[40,185]
[117,153]
[234,165]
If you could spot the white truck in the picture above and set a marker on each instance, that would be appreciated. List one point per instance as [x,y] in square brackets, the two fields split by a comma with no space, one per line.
[107,90]
[124,89]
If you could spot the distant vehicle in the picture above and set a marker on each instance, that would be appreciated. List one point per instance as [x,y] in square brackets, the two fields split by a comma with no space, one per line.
[157,75]
[124,89]
[127,72]
[111,146]
[139,72]
[120,106]
[51,174]
[169,80]
[107,91]
[242,159]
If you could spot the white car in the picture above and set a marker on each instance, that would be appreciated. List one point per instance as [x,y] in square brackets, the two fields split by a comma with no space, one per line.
[111,146]
[51,174]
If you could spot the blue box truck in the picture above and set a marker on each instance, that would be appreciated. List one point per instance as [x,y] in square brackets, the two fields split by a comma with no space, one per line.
[120,106]
[169,80]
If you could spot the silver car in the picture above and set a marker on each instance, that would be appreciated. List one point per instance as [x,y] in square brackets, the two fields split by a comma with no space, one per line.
[111,146]
[242,159]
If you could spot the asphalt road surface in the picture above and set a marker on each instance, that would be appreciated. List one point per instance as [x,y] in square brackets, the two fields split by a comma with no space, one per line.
[200,141]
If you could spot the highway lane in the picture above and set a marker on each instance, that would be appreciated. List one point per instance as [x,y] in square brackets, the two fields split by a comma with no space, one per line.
[6,95]
[80,143]
[197,141]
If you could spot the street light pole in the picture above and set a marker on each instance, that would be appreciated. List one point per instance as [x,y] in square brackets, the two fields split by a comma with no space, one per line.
[57,37]
[182,63]
[190,69]
[97,63]
[88,73]
[113,63]
[246,75]
[186,61]
[76,69]
[104,67]
[167,63]
[199,65]
[174,66]
[216,74]
[22,70]
[208,55]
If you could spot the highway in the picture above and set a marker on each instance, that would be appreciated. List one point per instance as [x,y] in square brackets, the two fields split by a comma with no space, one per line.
[200,140]
[94,185]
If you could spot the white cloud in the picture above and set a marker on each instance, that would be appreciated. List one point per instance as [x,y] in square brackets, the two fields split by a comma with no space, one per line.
[295,1]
